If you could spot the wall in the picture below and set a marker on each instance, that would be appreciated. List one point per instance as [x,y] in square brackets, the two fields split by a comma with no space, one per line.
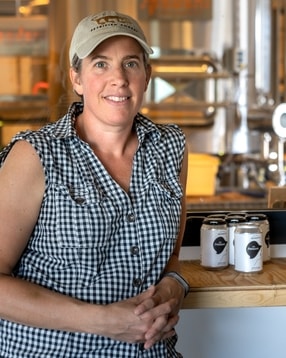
[232,333]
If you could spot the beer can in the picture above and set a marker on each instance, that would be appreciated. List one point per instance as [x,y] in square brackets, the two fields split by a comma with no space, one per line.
[236,213]
[217,216]
[214,245]
[262,220]
[248,250]
[231,222]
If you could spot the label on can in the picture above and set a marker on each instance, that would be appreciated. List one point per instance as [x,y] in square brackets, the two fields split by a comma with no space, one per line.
[248,252]
[264,225]
[214,244]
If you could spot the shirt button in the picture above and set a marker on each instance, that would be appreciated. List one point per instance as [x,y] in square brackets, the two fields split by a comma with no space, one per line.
[130,218]
[137,282]
[80,200]
[134,250]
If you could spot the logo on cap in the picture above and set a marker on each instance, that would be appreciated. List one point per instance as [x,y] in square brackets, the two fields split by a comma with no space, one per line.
[111,19]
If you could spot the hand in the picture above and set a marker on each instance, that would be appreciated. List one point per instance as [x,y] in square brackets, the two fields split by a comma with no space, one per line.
[119,321]
[163,309]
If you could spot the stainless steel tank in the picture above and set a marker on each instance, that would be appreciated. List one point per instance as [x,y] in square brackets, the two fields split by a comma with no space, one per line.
[242,36]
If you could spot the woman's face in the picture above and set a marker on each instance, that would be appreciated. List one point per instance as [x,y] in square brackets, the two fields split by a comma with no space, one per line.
[112,81]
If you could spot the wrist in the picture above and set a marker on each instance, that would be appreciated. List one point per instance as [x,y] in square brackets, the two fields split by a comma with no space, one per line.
[177,277]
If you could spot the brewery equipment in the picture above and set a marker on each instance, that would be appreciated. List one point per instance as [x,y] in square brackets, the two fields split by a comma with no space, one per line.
[279,127]
[220,79]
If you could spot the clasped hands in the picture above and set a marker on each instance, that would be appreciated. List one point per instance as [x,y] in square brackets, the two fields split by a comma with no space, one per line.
[148,317]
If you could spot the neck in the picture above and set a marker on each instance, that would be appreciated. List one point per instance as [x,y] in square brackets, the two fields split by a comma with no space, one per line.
[113,140]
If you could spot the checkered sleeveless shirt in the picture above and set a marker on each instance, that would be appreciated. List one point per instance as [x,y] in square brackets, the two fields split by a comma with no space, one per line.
[93,241]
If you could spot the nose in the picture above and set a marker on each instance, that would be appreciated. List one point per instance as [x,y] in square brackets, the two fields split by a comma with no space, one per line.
[119,77]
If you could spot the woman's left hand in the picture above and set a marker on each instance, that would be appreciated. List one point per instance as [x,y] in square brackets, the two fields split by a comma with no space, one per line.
[163,309]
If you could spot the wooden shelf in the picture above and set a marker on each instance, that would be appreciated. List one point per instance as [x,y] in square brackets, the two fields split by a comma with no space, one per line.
[228,288]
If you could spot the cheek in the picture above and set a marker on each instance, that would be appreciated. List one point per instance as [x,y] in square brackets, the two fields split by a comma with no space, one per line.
[89,86]
[141,84]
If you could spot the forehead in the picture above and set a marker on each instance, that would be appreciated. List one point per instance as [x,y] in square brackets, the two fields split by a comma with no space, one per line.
[124,43]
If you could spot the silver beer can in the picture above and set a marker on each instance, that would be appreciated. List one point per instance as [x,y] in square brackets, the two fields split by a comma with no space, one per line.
[248,250]
[262,220]
[231,222]
[217,216]
[214,244]
[236,213]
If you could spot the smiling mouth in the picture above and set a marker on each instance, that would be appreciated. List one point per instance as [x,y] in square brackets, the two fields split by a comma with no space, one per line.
[117,99]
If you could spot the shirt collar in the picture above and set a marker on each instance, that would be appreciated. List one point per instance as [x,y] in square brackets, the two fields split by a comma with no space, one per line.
[65,127]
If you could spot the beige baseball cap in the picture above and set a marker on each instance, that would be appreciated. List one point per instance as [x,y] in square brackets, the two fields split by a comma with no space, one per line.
[94,29]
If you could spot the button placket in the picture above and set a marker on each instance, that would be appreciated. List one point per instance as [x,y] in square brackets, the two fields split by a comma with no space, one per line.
[134,250]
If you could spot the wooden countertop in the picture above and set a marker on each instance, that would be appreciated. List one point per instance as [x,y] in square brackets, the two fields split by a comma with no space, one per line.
[228,288]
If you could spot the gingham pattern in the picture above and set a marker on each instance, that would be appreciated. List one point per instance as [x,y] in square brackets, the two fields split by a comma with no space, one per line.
[92,240]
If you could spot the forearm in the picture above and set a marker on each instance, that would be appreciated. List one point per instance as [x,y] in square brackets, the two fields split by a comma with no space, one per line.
[30,304]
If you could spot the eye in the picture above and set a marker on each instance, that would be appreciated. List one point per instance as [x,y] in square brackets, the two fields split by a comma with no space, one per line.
[131,64]
[100,64]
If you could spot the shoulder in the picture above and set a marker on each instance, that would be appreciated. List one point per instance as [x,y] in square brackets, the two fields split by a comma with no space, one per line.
[22,144]
[161,130]
[22,170]
[21,157]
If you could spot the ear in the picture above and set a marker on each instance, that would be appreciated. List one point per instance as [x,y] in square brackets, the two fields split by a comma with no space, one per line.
[76,82]
[148,75]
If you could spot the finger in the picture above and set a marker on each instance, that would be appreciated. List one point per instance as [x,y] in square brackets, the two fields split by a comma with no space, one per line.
[162,328]
[149,343]
[146,294]
[172,322]
[144,307]
[156,310]
[157,329]
[145,301]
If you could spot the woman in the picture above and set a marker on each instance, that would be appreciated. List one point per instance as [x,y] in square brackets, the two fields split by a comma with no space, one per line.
[92,210]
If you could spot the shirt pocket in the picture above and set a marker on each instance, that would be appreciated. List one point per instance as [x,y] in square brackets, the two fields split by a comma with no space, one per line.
[167,193]
[82,220]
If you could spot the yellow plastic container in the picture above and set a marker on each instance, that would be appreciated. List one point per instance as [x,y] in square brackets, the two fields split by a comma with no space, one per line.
[202,171]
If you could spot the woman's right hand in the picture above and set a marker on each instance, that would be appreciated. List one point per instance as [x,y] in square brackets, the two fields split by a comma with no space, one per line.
[119,322]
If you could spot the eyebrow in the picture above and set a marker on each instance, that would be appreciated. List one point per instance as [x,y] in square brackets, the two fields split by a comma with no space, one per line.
[102,57]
